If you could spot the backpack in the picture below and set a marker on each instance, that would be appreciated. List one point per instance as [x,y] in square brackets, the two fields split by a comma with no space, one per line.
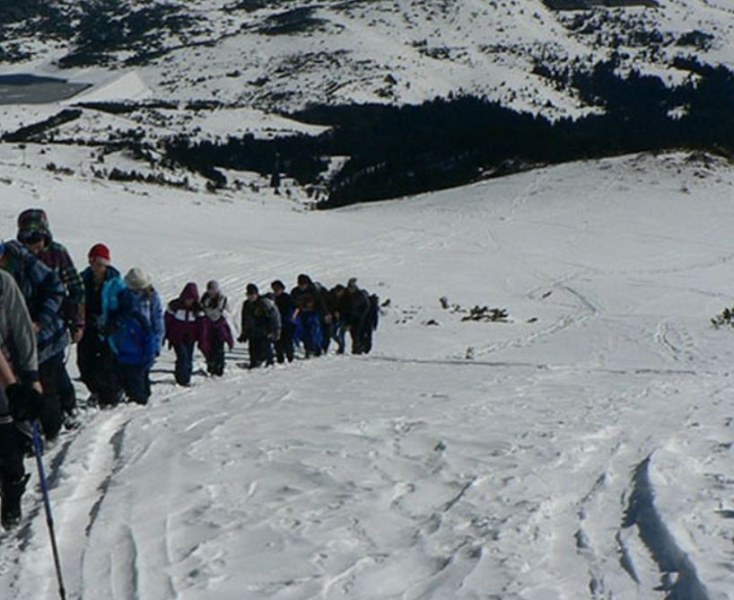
[134,339]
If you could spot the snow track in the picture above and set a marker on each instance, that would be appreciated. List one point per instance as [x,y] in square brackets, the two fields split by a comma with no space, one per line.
[75,513]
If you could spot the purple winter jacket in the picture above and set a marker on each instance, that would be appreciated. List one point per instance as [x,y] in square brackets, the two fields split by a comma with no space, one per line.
[216,328]
[184,325]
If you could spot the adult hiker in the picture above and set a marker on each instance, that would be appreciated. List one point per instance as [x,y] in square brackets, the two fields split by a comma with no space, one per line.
[339,305]
[95,359]
[35,233]
[20,398]
[284,345]
[358,320]
[44,294]
[260,326]
[184,328]
[309,315]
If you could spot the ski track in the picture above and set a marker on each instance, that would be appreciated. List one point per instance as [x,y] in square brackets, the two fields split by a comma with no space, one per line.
[585,309]
[677,342]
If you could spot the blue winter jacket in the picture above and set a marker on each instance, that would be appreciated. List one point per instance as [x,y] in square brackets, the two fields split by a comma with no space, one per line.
[44,294]
[137,327]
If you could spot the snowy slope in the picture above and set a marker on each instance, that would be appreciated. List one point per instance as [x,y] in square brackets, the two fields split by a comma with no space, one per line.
[581,450]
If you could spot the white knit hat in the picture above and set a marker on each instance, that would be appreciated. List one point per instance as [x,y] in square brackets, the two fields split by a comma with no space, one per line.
[138,280]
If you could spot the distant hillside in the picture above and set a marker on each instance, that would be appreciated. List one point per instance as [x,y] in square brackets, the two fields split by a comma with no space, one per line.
[288,54]
[357,100]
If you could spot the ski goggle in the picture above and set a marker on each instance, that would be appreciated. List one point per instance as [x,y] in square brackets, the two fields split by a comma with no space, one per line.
[31,237]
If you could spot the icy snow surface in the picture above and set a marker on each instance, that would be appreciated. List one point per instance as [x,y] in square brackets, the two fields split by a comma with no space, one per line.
[125,87]
[581,450]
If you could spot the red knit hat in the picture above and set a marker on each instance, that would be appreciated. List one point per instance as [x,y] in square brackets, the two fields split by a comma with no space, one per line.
[100,253]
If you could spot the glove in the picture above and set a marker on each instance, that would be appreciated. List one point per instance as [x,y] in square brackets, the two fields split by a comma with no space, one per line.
[24,402]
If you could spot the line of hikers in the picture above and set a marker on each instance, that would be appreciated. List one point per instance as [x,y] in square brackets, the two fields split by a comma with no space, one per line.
[272,324]
[119,325]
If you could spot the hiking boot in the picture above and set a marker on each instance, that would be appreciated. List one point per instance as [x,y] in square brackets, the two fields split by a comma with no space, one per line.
[105,401]
[71,422]
[12,492]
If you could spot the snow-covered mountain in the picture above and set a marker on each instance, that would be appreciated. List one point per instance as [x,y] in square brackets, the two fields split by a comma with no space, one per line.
[582,449]
[284,54]
[211,70]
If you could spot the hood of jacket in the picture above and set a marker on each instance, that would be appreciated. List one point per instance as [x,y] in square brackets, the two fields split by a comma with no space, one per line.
[190,292]
[34,220]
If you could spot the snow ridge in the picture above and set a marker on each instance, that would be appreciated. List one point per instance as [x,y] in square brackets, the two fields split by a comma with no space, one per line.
[654,532]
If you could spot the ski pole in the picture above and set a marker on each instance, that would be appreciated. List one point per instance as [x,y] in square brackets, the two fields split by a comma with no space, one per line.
[38,449]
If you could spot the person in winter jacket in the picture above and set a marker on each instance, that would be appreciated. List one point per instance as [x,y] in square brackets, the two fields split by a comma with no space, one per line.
[23,403]
[216,330]
[309,315]
[95,359]
[326,320]
[34,232]
[137,334]
[339,306]
[184,329]
[44,294]
[260,326]
[20,397]
[284,346]
[359,323]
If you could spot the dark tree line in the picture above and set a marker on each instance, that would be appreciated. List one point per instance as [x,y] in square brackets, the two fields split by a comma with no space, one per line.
[396,151]
[35,132]
[300,157]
